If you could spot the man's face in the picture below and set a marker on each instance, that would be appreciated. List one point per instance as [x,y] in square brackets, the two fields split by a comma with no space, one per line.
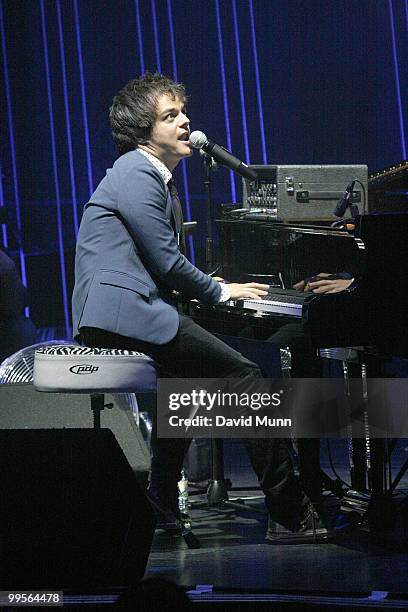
[169,140]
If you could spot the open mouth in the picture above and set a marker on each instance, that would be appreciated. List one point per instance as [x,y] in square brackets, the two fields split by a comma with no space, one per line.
[185,137]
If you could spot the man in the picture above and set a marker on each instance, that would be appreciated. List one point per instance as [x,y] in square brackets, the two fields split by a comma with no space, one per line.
[127,266]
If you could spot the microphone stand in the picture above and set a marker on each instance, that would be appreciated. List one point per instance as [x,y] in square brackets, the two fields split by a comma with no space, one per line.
[209,164]
[217,490]
[217,487]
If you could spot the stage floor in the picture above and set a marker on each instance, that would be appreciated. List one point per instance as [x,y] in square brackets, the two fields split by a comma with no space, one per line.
[236,570]
[234,555]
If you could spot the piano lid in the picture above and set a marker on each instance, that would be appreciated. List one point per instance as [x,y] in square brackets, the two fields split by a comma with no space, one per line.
[388,189]
[393,177]
[284,254]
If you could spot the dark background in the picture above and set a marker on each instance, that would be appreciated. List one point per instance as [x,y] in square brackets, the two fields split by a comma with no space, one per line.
[277,81]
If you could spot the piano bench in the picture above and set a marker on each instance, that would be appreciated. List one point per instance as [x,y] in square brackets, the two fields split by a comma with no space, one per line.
[93,371]
[96,371]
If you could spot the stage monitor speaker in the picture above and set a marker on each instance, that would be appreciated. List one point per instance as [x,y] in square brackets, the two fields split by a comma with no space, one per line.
[72,514]
[22,407]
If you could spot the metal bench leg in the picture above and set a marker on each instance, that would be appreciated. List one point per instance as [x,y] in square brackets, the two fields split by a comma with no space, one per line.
[97,405]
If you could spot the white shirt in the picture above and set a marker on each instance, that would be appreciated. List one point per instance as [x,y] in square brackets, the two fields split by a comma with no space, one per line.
[164,171]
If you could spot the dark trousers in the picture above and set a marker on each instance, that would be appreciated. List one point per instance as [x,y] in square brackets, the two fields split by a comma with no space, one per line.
[195,353]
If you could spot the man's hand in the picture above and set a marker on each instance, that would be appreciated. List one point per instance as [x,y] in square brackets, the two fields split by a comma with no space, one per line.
[254,291]
[329,285]
[300,286]
[323,283]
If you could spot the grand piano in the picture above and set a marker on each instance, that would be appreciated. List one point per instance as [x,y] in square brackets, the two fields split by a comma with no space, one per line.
[373,311]
[371,315]
[374,251]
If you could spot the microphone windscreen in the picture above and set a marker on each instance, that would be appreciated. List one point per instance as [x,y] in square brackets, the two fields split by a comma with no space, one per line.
[198,139]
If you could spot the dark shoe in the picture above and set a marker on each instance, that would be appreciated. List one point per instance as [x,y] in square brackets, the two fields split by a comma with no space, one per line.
[176,524]
[313,528]
[169,518]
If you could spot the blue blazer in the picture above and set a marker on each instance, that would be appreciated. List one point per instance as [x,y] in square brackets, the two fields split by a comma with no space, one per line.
[127,259]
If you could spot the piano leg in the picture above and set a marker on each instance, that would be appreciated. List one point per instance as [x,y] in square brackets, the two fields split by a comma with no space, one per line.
[370,461]
[300,360]
[358,464]
[382,510]
[359,444]
[311,476]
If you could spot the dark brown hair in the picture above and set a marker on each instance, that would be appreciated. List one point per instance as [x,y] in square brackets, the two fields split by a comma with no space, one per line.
[134,108]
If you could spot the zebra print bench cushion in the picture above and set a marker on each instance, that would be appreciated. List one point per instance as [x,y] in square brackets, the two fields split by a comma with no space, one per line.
[74,349]
[81,369]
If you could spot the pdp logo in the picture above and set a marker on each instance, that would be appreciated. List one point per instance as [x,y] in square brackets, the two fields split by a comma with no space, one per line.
[83,369]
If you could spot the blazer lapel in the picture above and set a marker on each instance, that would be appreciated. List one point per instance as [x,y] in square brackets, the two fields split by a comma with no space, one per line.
[177,216]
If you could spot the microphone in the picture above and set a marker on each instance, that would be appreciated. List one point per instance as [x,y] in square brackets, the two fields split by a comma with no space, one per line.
[200,141]
[344,201]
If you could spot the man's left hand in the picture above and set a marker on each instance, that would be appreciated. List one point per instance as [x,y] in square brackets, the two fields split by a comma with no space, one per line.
[329,285]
